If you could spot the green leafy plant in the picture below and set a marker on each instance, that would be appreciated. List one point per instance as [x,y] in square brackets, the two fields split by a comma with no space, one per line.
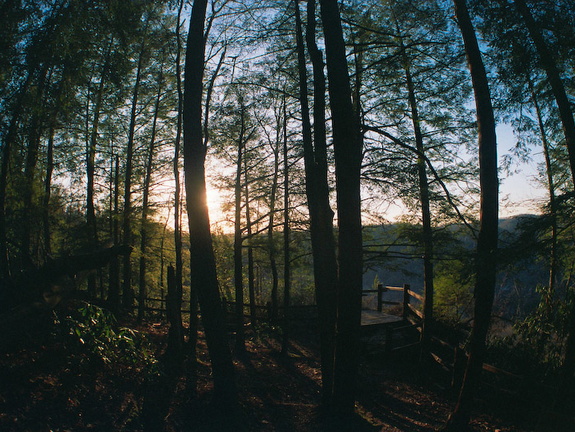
[545,329]
[95,331]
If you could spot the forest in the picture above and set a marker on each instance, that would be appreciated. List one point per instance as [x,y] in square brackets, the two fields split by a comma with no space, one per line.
[285,215]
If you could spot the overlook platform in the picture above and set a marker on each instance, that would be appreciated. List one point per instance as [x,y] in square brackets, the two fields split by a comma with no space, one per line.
[371,318]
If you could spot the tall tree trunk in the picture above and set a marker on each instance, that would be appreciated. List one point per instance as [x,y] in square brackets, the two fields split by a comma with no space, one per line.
[127,291]
[91,154]
[553,258]
[486,259]
[238,255]
[143,292]
[425,212]
[249,237]
[317,191]
[50,165]
[6,158]
[174,349]
[31,161]
[348,156]
[271,230]
[202,260]
[48,190]
[162,254]
[548,63]
[179,264]
[114,272]
[6,152]
[91,147]
[286,238]
[161,387]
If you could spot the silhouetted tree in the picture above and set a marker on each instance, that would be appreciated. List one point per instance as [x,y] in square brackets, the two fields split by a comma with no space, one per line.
[317,192]
[486,258]
[348,156]
[550,66]
[202,260]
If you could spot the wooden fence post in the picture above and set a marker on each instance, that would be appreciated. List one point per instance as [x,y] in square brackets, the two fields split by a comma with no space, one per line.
[379,297]
[406,298]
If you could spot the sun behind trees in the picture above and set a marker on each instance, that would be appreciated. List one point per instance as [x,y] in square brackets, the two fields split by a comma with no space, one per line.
[309,120]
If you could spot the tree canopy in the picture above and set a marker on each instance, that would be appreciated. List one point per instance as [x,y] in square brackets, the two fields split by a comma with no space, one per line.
[341,138]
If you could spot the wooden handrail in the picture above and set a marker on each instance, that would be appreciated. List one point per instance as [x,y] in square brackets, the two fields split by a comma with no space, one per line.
[392,288]
[416,295]
[415,311]
[385,288]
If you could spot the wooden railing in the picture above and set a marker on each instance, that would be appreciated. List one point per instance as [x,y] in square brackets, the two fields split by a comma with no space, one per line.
[158,305]
[411,304]
[410,312]
[451,357]
[264,312]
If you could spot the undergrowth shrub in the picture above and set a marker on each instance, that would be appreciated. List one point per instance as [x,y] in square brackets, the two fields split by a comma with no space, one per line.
[93,334]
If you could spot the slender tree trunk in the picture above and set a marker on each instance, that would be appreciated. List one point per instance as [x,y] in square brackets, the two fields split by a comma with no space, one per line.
[127,291]
[47,191]
[317,191]
[548,63]
[6,158]
[111,195]
[238,255]
[270,234]
[425,215]
[114,283]
[179,264]
[50,166]
[202,261]
[348,155]
[249,237]
[162,254]
[6,153]
[143,292]
[91,147]
[286,238]
[553,259]
[31,161]
[176,159]
[91,155]
[174,349]
[161,387]
[486,259]
[209,94]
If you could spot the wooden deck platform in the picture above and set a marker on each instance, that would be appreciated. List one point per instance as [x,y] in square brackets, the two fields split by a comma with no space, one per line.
[374,318]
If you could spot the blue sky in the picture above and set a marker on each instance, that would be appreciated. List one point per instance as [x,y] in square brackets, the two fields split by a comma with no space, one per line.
[519,191]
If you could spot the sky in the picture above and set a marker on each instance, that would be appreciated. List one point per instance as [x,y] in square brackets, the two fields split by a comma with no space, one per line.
[519,192]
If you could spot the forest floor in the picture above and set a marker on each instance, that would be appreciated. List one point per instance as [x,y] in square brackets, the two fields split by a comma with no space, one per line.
[55,382]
